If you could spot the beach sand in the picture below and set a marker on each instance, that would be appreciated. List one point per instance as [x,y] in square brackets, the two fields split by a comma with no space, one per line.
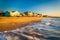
[11,23]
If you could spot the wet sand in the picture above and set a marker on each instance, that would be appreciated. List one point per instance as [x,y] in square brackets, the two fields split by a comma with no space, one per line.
[11,23]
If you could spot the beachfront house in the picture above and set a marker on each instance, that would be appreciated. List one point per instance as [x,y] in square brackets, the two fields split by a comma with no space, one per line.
[12,13]
[39,15]
[7,13]
[34,14]
[29,13]
[24,15]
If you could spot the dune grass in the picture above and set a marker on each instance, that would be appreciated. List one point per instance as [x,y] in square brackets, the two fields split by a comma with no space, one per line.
[11,23]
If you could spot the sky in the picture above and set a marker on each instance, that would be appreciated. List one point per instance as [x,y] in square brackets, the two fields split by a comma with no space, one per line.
[47,7]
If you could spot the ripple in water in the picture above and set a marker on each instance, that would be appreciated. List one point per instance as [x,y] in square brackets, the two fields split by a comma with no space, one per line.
[49,28]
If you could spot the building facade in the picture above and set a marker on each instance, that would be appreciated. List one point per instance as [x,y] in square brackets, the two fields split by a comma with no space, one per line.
[28,13]
[35,14]
[12,13]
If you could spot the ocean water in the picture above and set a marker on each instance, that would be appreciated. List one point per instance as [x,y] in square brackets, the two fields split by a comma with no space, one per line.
[47,29]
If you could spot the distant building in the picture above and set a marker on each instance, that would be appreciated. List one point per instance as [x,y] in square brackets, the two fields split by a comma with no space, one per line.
[39,15]
[34,14]
[45,15]
[12,13]
[7,13]
[29,13]
[24,15]
[16,13]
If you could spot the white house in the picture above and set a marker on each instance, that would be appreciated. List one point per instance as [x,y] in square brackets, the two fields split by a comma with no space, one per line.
[14,13]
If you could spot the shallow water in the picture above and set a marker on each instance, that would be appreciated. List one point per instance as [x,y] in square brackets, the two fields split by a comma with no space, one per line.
[50,27]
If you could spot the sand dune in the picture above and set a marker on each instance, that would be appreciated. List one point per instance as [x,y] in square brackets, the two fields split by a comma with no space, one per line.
[10,23]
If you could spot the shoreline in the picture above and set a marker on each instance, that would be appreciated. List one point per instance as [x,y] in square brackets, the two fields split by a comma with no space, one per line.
[11,23]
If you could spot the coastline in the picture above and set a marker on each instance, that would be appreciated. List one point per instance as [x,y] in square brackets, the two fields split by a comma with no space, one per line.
[11,23]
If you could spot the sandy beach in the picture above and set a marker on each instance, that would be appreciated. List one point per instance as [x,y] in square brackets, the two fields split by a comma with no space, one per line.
[11,23]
